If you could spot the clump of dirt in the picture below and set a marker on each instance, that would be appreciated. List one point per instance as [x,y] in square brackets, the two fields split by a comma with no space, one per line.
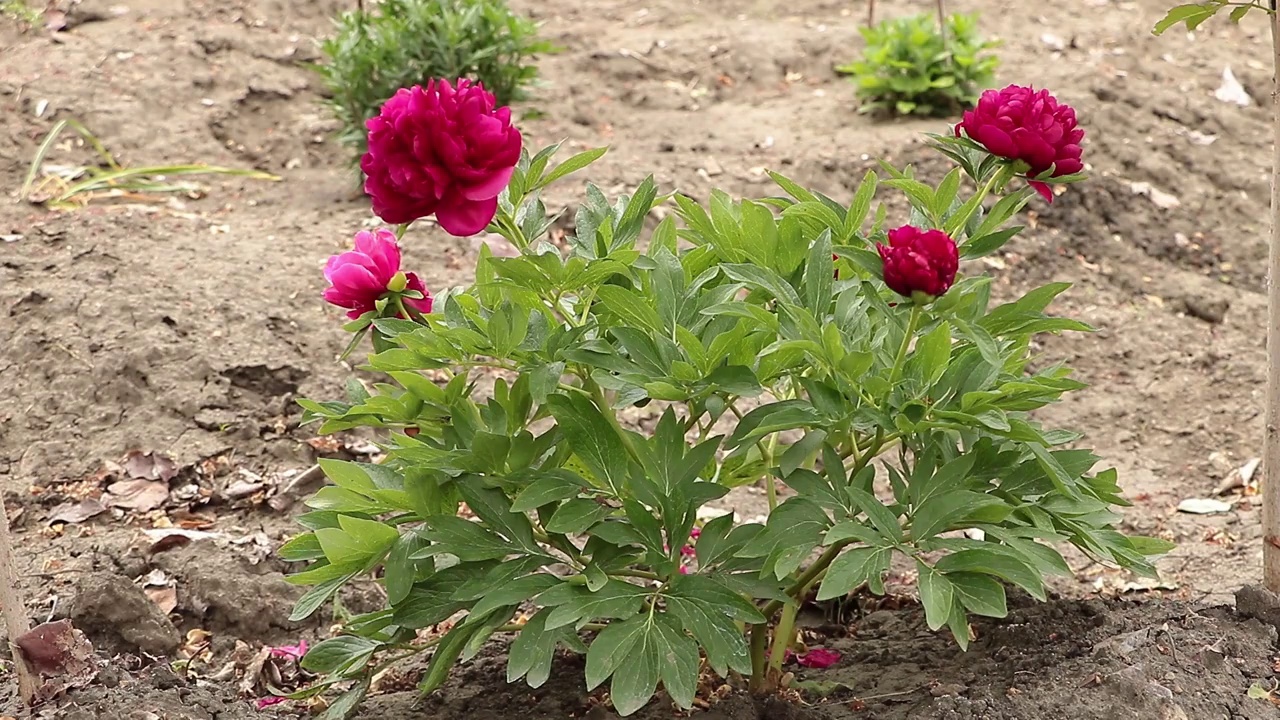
[119,617]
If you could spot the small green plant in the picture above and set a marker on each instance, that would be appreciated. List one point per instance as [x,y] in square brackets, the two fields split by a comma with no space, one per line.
[60,187]
[406,42]
[911,67]
[20,12]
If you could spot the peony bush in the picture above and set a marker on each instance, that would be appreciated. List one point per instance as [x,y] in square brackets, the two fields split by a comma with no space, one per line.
[833,354]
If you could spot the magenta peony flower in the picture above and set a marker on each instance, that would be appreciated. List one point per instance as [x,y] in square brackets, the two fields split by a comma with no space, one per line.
[440,150]
[359,278]
[1020,123]
[916,260]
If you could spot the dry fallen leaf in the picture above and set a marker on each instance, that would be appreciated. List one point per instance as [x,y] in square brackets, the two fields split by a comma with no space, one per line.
[61,654]
[1231,90]
[76,512]
[1162,200]
[1204,506]
[165,598]
[138,494]
[168,538]
[149,466]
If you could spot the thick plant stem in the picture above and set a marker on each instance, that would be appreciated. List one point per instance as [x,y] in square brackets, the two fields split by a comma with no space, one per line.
[759,645]
[783,634]
[806,579]
[15,617]
[1271,441]
[771,484]
[942,27]
[871,12]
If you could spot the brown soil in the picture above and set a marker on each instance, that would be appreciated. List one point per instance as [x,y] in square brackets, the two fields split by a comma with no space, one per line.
[187,328]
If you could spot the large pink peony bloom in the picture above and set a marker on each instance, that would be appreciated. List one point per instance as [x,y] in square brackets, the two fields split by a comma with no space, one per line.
[359,278]
[440,150]
[918,260]
[1020,123]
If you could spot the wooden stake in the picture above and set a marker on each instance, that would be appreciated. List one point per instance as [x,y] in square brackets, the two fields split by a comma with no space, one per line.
[871,13]
[942,26]
[1271,440]
[15,614]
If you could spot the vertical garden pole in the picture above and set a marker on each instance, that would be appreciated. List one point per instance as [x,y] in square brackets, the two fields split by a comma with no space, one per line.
[1271,441]
[15,614]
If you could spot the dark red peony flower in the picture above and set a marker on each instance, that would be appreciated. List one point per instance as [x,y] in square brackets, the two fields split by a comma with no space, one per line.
[440,150]
[918,260]
[359,278]
[1020,123]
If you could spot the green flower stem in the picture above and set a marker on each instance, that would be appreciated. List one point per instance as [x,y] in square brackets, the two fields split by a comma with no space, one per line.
[759,645]
[998,179]
[912,325]
[783,635]
[586,305]
[770,482]
[807,578]
[507,228]
[405,311]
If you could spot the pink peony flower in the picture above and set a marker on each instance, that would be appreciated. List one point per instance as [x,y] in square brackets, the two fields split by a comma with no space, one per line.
[1020,123]
[359,278]
[290,651]
[917,260]
[819,658]
[440,150]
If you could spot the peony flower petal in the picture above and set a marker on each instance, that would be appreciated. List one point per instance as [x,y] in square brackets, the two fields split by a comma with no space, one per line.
[1043,188]
[489,187]
[423,305]
[819,658]
[381,248]
[462,218]
[995,139]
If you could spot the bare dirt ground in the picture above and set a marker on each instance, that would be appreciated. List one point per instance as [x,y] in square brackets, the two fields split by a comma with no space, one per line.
[186,328]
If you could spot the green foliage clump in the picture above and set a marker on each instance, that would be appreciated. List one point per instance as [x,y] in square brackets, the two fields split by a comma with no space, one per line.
[909,67]
[408,42]
[20,12]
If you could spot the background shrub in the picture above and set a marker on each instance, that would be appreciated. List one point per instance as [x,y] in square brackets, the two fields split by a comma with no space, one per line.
[910,68]
[401,43]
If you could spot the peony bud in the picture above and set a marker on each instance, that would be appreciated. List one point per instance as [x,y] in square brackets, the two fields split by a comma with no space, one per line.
[919,261]
[398,282]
